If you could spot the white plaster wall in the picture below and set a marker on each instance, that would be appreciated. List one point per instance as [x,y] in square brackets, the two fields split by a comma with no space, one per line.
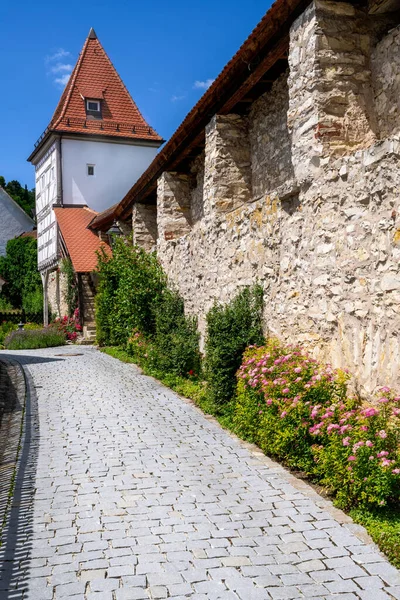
[117,167]
[13,220]
[46,195]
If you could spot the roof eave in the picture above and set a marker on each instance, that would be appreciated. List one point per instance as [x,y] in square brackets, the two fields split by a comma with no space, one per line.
[41,144]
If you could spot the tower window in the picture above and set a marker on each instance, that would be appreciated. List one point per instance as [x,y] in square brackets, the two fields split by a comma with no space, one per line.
[90,170]
[93,109]
[93,105]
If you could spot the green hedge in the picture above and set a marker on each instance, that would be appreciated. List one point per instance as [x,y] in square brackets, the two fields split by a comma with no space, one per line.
[230,329]
[136,309]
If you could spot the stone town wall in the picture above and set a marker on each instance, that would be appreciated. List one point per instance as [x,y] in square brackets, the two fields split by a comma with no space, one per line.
[56,290]
[385,64]
[145,226]
[311,211]
[270,142]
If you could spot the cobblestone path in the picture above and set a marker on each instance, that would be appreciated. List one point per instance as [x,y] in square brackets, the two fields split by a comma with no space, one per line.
[125,491]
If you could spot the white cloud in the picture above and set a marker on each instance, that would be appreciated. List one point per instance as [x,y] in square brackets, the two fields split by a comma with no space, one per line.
[63,80]
[57,55]
[203,85]
[58,67]
[177,98]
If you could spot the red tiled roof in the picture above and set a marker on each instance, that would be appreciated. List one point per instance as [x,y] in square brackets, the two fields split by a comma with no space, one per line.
[25,234]
[94,76]
[81,242]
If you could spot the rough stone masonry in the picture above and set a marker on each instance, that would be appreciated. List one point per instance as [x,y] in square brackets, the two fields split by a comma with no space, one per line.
[302,195]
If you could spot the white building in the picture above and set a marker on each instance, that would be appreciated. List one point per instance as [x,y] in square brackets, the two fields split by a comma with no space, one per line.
[96,146]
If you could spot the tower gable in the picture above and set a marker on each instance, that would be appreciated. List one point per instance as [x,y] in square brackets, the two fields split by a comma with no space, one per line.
[96,102]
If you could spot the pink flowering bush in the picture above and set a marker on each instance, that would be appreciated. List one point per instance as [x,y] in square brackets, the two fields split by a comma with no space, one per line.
[359,457]
[70,326]
[140,348]
[297,410]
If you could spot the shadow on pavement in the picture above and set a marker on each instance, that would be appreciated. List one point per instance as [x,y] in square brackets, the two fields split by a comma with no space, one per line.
[25,359]
[17,534]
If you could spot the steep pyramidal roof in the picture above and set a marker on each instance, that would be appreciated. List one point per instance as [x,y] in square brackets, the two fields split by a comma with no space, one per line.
[95,77]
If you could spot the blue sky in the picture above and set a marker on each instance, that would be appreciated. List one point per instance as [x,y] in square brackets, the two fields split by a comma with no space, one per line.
[160,48]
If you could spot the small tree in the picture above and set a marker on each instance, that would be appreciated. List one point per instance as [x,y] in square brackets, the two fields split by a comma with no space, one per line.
[19,268]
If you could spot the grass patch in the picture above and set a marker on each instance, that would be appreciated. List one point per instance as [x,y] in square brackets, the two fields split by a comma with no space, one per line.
[33,339]
[383,525]
[117,352]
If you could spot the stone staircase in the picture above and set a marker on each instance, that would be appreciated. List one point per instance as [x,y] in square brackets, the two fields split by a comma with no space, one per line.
[88,293]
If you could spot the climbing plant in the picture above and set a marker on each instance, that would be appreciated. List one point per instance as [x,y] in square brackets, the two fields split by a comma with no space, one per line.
[71,293]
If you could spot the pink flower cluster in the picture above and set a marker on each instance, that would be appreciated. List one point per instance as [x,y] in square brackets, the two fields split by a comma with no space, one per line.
[70,326]
[312,398]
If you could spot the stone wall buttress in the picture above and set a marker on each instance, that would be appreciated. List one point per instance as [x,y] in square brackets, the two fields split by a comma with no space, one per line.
[302,195]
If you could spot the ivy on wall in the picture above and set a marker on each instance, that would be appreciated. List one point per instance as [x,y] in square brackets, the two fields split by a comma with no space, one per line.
[71,293]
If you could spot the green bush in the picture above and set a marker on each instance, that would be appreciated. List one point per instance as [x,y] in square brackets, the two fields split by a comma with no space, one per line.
[130,285]
[5,328]
[297,410]
[142,351]
[176,339]
[135,307]
[32,302]
[5,304]
[19,268]
[32,339]
[230,329]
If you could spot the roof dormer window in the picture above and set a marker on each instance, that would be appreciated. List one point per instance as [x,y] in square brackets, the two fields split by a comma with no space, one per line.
[93,108]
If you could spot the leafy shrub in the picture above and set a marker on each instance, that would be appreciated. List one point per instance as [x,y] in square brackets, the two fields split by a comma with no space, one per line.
[19,268]
[230,329]
[140,348]
[130,285]
[176,339]
[5,328]
[133,300]
[359,458]
[296,409]
[283,383]
[68,326]
[32,302]
[26,340]
[5,304]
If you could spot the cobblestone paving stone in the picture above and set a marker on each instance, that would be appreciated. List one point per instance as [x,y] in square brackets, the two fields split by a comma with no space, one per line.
[127,492]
